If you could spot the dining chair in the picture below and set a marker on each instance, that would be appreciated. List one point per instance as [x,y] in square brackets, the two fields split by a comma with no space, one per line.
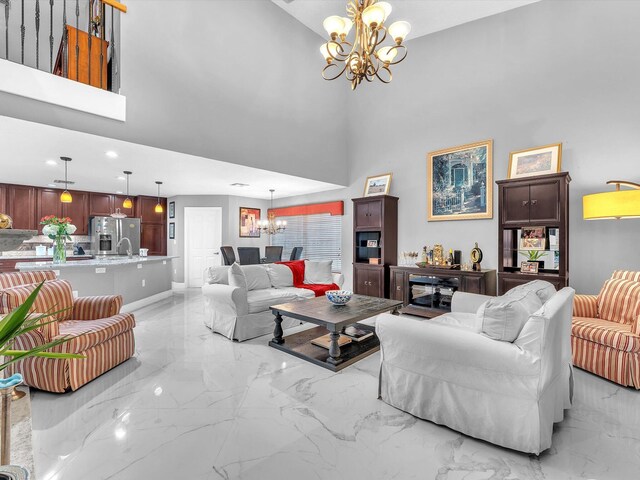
[249,255]
[296,253]
[273,254]
[228,255]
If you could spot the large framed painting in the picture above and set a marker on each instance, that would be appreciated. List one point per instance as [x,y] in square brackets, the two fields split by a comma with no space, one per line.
[249,219]
[535,161]
[460,182]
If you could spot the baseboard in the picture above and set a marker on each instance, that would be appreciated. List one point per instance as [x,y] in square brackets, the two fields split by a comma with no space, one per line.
[129,307]
[178,286]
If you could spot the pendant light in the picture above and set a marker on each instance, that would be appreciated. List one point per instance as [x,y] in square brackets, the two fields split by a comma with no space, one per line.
[159,208]
[65,196]
[127,201]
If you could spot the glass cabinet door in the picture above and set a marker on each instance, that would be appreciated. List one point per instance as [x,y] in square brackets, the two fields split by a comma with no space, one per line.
[432,291]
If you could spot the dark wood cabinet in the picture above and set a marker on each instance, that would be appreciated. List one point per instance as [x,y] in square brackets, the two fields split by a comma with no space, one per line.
[375,243]
[118,200]
[78,211]
[154,237]
[146,209]
[427,292]
[540,201]
[3,199]
[100,204]
[48,203]
[21,206]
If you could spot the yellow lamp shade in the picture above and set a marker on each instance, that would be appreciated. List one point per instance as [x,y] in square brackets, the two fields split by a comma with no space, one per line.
[65,197]
[333,24]
[399,30]
[127,203]
[618,204]
[158,208]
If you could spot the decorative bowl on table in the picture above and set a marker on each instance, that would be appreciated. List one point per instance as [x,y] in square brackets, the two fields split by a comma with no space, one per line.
[339,297]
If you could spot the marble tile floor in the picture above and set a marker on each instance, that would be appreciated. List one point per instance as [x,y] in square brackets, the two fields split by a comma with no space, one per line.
[193,405]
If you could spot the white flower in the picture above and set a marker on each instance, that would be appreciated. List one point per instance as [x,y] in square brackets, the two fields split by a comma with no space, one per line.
[49,230]
[71,228]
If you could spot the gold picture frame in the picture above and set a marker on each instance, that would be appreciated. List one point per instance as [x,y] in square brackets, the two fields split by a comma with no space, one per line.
[543,160]
[460,182]
[377,185]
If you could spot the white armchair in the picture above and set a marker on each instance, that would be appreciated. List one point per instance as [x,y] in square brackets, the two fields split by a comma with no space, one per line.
[447,371]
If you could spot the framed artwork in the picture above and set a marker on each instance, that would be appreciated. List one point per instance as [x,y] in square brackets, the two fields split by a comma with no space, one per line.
[372,243]
[378,185]
[535,161]
[460,182]
[533,238]
[529,267]
[172,230]
[249,218]
[172,209]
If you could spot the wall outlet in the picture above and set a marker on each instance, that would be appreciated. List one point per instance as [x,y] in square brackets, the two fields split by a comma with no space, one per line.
[175,271]
[144,282]
[139,266]
[75,294]
[101,270]
[164,262]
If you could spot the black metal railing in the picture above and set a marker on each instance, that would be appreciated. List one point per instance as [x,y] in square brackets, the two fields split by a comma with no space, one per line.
[90,56]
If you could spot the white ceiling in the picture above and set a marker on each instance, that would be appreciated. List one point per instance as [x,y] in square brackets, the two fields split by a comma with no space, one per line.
[26,147]
[425,16]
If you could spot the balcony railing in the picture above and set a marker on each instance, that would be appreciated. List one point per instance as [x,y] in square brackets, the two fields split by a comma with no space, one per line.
[75,39]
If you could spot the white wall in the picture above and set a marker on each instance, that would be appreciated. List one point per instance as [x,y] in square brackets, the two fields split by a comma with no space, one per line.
[549,72]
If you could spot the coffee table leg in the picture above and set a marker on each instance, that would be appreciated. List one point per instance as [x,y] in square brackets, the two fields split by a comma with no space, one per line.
[334,348]
[277,331]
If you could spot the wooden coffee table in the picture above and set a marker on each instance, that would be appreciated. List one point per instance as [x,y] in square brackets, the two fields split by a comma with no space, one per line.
[334,318]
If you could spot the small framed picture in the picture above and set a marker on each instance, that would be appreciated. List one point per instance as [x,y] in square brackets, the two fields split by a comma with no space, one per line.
[378,185]
[172,209]
[249,220]
[529,267]
[372,243]
[172,230]
[533,238]
[535,161]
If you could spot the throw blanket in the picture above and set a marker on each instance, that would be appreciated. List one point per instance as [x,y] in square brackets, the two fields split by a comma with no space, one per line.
[297,269]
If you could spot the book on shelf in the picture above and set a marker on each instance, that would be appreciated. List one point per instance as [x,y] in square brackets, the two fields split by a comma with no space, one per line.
[325,340]
[357,334]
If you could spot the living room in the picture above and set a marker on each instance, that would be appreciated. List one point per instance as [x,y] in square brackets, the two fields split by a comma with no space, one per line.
[240,99]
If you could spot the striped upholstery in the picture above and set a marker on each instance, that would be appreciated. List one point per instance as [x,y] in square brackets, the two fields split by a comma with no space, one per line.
[55,295]
[619,301]
[610,363]
[626,275]
[585,306]
[92,308]
[13,279]
[604,332]
[89,333]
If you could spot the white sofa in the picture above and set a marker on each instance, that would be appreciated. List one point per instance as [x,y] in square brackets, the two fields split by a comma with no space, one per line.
[241,314]
[450,371]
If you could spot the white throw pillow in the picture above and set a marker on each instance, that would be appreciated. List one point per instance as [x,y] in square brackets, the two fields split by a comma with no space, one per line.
[318,272]
[281,276]
[544,290]
[217,275]
[236,277]
[502,318]
[257,277]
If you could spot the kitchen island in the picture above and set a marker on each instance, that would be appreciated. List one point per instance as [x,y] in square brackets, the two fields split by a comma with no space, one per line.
[140,280]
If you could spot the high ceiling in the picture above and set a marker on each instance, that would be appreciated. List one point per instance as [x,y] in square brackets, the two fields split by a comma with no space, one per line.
[425,16]
[31,151]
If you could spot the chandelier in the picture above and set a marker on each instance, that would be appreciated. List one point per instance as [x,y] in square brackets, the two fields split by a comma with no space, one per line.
[365,58]
[271,226]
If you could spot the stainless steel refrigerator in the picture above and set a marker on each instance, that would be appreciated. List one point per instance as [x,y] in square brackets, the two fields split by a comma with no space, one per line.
[106,233]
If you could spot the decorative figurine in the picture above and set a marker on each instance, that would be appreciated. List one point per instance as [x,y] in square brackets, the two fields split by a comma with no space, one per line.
[476,258]
[438,254]
[5,221]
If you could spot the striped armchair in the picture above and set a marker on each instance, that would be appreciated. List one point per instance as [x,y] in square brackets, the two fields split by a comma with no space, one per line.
[605,333]
[101,333]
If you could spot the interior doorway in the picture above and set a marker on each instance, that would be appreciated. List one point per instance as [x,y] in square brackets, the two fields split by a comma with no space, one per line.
[202,242]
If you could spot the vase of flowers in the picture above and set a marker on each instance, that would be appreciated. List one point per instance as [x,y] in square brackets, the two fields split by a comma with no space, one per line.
[58,229]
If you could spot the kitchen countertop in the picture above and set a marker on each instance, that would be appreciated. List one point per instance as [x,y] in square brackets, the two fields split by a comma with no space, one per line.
[43,257]
[114,261]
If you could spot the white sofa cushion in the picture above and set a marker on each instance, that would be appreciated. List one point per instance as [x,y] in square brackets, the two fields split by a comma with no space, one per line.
[280,276]
[257,277]
[261,300]
[219,274]
[236,277]
[318,272]
[544,290]
[502,318]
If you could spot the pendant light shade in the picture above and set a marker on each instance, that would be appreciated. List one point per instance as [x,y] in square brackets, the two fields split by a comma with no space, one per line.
[613,205]
[65,196]
[158,208]
[128,203]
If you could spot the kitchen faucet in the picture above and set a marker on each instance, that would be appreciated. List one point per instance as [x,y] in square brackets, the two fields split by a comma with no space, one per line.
[129,251]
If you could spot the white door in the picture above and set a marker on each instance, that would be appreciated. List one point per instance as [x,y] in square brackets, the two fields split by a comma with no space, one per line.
[202,242]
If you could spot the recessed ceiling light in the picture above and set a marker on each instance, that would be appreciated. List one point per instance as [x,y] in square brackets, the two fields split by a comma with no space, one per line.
[120,178]
[51,162]
[237,184]
[111,154]
[51,185]
[118,192]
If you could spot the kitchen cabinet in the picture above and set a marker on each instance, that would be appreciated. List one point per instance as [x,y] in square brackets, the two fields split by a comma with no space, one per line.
[3,199]
[21,206]
[78,212]
[117,203]
[100,204]
[154,237]
[48,203]
[146,210]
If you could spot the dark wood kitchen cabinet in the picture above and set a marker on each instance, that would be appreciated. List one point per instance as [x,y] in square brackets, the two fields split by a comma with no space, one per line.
[153,225]
[100,204]
[3,199]
[48,203]
[118,200]
[146,209]
[21,206]
[78,211]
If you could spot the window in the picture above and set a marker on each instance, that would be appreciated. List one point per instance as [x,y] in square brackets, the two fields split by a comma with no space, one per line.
[319,235]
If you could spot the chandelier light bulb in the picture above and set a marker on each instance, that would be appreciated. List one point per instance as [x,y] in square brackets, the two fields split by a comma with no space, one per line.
[374,15]
[399,31]
[387,54]
[348,24]
[333,25]
[387,9]
[329,51]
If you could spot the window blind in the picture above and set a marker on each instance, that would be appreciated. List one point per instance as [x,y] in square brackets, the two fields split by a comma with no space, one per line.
[319,235]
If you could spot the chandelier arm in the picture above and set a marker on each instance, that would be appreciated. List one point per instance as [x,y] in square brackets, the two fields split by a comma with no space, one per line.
[403,52]
[372,42]
[341,54]
[383,37]
[382,79]
[326,67]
